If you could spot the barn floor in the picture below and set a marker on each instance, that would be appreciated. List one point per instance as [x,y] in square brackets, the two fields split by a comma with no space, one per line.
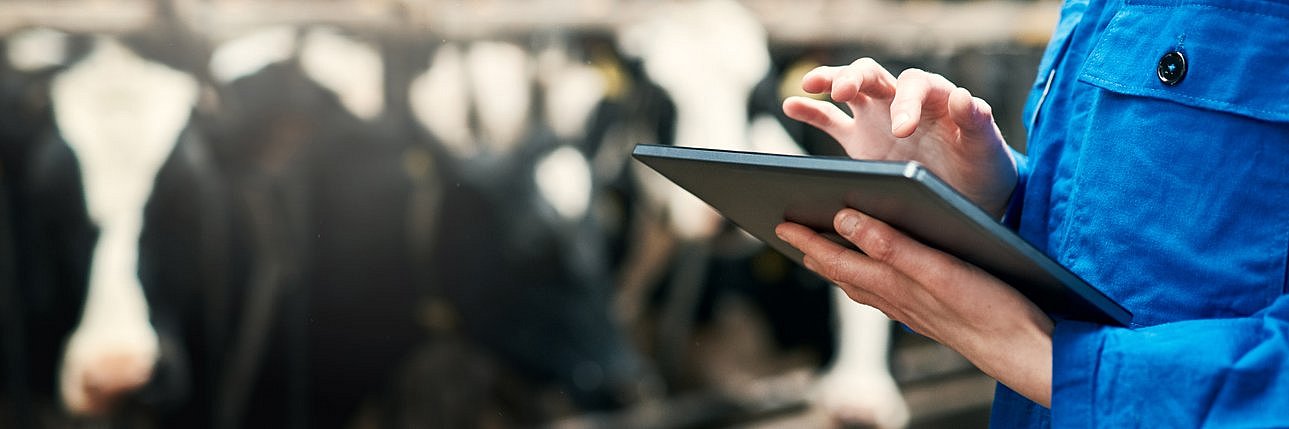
[941,388]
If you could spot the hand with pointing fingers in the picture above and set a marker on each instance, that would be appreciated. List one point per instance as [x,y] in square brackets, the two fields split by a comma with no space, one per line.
[920,117]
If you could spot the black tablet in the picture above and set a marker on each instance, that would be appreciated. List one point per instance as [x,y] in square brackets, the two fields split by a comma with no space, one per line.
[757,191]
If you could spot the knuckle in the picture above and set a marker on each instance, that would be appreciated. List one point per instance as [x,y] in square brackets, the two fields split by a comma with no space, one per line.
[985,108]
[855,294]
[817,71]
[877,242]
[863,296]
[866,63]
[832,263]
[913,73]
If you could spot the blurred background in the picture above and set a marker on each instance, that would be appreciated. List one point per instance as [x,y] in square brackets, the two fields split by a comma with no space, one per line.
[422,213]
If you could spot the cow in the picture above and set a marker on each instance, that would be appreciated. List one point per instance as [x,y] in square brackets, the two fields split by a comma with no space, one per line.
[521,251]
[322,293]
[263,217]
[190,245]
[290,225]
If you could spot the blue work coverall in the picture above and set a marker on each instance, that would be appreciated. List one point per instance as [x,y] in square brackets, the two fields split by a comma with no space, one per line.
[1158,171]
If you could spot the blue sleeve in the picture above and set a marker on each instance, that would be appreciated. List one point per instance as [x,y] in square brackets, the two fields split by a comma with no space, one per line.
[1203,373]
[1011,217]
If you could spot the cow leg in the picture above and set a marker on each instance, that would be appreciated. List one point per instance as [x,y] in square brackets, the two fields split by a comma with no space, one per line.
[685,292]
[858,387]
[12,329]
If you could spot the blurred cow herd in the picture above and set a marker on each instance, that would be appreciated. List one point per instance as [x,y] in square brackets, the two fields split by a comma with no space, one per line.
[318,226]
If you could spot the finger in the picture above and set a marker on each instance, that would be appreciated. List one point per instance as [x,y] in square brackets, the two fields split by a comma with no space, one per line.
[875,80]
[918,95]
[864,77]
[819,114]
[839,264]
[843,83]
[802,238]
[884,244]
[820,252]
[819,79]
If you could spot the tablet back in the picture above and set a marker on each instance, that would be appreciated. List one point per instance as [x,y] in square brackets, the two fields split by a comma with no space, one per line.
[758,191]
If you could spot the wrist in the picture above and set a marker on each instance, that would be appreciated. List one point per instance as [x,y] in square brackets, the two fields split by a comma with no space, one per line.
[1018,356]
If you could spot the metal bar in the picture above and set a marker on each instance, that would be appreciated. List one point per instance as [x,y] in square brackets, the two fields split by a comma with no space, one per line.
[914,26]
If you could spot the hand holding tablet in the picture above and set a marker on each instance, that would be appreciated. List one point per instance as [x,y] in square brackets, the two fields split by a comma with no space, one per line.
[759,191]
[924,254]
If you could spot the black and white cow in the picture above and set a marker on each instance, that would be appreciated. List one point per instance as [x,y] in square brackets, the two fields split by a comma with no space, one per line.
[324,297]
[270,236]
[522,252]
[115,125]
[273,232]
[177,248]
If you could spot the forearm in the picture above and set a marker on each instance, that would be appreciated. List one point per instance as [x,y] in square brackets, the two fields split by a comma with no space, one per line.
[1020,358]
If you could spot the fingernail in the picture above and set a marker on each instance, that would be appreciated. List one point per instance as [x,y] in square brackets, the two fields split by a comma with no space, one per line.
[899,121]
[978,110]
[847,224]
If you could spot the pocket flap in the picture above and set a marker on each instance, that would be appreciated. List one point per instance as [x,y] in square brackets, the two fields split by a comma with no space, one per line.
[1236,54]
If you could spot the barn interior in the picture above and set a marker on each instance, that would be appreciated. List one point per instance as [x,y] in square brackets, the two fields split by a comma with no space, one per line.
[422,213]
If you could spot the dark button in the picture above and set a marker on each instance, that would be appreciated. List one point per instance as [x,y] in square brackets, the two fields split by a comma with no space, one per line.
[1172,68]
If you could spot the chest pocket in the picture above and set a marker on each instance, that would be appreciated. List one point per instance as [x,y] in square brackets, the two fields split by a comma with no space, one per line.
[1188,169]
[1234,54]
[1233,57]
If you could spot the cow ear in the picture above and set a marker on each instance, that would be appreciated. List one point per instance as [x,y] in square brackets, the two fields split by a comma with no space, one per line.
[248,54]
[37,49]
[441,104]
[500,76]
[572,92]
[351,68]
[633,38]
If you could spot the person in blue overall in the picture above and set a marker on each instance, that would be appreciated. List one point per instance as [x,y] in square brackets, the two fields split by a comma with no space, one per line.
[1157,170]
